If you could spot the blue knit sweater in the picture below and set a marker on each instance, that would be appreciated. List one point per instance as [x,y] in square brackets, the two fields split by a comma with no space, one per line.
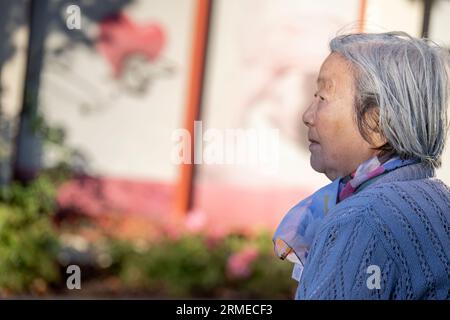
[389,241]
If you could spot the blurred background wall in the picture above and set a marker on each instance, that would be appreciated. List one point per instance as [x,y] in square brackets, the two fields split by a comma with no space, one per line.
[119,86]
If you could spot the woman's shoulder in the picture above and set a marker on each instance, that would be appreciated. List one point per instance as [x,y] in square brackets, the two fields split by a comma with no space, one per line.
[408,204]
[400,213]
[406,222]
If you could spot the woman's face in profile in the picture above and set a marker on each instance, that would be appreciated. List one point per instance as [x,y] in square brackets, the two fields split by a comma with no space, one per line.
[336,145]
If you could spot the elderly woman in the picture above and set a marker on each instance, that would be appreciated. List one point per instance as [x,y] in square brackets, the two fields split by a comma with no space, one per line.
[377,128]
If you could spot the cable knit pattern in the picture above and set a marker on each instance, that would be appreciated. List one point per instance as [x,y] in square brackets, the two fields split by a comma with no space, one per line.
[400,223]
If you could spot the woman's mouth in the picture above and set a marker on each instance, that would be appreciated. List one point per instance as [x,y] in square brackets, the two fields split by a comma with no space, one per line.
[312,144]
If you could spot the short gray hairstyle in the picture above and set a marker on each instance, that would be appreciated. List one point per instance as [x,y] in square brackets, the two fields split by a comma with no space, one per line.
[402,89]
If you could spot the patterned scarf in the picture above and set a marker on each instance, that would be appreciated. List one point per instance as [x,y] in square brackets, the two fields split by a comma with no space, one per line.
[296,231]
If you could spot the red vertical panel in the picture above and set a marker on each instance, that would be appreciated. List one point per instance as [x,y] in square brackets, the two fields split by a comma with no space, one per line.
[193,101]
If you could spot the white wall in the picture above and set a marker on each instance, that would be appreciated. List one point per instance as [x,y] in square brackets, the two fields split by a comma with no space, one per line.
[121,134]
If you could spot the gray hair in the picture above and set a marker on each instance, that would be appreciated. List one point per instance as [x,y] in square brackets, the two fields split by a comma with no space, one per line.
[402,89]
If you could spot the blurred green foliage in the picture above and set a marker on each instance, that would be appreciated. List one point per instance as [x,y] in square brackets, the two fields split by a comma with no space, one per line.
[28,241]
[192,267]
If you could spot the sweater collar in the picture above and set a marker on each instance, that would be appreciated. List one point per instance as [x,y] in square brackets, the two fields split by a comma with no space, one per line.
[414,171]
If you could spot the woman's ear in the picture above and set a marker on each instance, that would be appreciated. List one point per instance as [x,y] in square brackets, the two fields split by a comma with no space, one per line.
[377,139]
[374,132]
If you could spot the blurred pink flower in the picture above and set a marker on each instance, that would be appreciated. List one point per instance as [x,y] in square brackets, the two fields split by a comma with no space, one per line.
[195,221]
[239,263]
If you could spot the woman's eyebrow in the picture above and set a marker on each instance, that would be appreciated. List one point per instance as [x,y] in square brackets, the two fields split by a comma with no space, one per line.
[325,82]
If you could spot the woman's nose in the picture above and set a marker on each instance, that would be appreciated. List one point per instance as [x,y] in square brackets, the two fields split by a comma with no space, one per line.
[308,115]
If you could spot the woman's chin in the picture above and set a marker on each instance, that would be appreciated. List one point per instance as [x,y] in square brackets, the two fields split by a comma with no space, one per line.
[316,163]
[318,166]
